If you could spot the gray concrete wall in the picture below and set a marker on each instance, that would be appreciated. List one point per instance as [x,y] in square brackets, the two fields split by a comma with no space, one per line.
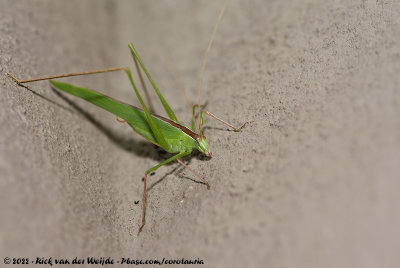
[312,181]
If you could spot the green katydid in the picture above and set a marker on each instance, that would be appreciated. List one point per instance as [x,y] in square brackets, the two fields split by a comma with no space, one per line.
[167,133]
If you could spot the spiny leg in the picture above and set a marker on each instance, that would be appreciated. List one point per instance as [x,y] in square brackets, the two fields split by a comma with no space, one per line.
[194,173]
[179,155]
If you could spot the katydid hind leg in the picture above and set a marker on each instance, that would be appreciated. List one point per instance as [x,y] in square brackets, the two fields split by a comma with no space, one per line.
[146,92]
[167,108]
[22,81]
[154,128]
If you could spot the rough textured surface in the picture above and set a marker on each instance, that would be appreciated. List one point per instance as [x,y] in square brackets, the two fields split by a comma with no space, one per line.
[312,181]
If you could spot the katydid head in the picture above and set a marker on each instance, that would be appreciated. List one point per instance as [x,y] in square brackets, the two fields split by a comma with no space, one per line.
[203,145]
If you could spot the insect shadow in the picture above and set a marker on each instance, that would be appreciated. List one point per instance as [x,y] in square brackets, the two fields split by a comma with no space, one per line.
[46,98]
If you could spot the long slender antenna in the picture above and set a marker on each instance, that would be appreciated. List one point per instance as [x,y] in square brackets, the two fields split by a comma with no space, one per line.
[65,75]
[203,68]
[172,68]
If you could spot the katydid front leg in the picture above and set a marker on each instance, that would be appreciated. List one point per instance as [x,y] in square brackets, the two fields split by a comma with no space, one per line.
[177,156]
[220,120]
[194,114]
[213,116]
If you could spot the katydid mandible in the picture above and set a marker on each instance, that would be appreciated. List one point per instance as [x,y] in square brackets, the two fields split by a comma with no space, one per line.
[168,133]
